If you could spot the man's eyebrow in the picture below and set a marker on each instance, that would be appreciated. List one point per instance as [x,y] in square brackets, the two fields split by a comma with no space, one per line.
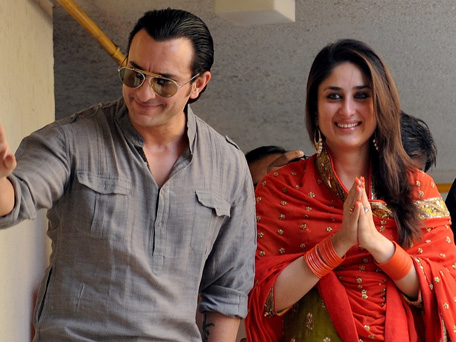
[136,66]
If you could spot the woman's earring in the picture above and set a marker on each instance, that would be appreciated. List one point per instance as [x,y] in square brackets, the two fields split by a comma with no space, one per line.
[318,141]
[374,141]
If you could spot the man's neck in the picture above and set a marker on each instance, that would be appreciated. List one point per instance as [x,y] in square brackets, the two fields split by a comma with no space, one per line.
[162,147]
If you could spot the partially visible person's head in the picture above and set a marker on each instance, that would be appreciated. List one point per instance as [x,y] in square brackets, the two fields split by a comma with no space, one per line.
[418,142]
[167,24]
[260,158]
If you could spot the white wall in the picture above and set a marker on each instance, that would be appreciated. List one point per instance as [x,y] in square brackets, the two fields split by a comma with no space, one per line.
[27,103]
[257,92]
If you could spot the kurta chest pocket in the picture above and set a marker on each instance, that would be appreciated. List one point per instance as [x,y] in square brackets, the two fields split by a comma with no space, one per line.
[210,212]
[103,208]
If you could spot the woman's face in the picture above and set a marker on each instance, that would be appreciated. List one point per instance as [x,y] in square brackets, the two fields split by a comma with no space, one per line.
[345,109]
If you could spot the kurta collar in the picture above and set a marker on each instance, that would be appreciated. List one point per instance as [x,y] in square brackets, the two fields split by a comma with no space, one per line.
[131,134]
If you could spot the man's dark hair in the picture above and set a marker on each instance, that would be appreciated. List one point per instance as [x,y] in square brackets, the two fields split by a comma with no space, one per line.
[417,140]
[263,151]
[166,24]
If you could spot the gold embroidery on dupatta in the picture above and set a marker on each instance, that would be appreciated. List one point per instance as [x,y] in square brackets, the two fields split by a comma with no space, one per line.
[380,209]
[269,310]
[432,208]
[323,163]
[328,177]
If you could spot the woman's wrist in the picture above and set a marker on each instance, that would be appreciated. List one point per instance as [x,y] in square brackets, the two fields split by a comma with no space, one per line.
[381,249]
[323,258]
[398,265]
[340,245]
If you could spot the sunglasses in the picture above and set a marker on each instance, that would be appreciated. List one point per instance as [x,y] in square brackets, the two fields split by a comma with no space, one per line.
[164,87]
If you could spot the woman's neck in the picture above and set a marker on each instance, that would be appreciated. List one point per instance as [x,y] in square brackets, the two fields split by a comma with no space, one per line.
[351,164]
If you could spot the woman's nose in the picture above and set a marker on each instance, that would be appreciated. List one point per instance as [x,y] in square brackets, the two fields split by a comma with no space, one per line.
[348,106]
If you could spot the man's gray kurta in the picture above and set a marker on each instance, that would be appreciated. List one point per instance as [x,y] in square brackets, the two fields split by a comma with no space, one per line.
[129,258]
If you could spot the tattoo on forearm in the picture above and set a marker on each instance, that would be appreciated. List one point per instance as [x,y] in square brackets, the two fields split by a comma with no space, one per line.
[205,329]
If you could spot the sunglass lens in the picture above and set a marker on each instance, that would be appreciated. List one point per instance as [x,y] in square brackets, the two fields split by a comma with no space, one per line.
[163,87]
[131,78]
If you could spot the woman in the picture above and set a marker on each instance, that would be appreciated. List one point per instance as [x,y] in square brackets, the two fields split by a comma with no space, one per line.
[354,243]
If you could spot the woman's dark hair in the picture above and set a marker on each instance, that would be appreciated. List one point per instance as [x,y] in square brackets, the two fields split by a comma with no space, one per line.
[166,24]
[390,164]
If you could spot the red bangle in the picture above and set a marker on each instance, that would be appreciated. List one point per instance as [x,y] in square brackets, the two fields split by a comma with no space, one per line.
[322,258]
[399,265]
[329,254]
[315,263]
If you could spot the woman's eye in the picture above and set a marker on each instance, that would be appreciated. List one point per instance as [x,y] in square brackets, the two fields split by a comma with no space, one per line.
[362,95]
[334,96]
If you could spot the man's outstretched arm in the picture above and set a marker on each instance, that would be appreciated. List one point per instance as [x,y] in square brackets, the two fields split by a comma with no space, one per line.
[7,165]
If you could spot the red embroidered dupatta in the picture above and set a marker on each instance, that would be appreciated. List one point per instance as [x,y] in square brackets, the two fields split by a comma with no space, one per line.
[301,204]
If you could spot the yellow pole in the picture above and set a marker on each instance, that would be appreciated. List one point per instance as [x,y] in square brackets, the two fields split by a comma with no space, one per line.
[81,17]
[444,187]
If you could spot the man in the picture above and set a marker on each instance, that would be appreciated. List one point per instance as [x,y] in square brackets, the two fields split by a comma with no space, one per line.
[149,207]
[265,159]
[418,142]
[420,146]
[450,202]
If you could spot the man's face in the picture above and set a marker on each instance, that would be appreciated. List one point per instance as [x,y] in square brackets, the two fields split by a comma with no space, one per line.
[259,168]
[171,59]
[419,162]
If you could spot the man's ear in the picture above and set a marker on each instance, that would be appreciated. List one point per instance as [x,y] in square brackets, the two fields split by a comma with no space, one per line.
[199,84]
